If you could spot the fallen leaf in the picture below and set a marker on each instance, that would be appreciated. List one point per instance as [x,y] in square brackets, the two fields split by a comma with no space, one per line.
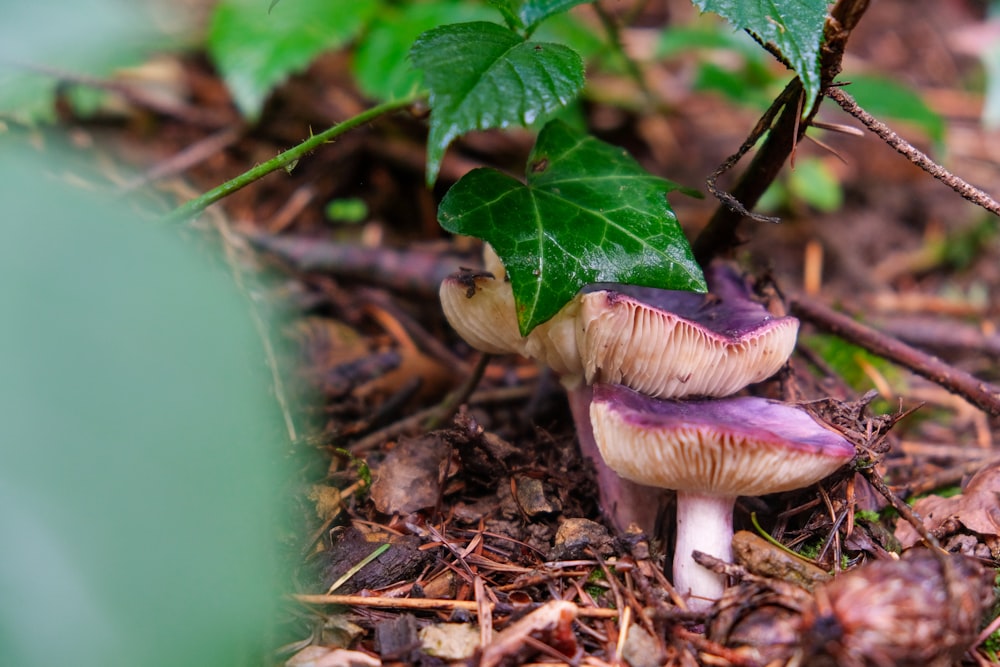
[450,641]
[324,656]
[409,478]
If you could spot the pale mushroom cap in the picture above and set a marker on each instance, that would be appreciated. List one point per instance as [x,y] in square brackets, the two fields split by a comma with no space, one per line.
[481,309]
[744,446]
[668,343]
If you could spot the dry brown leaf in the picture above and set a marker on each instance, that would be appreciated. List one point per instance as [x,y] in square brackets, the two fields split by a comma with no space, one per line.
[409,478]
[977,509]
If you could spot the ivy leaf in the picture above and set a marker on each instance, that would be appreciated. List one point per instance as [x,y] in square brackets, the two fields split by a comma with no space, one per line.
[588,213]
[256,50]
[533,12]
[794,26]
[482,75]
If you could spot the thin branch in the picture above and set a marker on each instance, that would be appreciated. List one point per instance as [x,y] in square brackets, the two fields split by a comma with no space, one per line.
[720,235]
[912,153]
[283,160]
[976,391]
[427,604]
[905,511]
[734,205]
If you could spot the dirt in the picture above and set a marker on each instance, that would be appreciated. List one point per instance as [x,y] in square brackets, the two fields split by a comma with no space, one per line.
[487,503]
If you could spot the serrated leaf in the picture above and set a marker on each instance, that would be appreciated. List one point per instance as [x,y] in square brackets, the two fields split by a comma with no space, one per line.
[256,50]
[794,26]
[588,213]
[381,64]
[533,12]
[508,10]
[482,75]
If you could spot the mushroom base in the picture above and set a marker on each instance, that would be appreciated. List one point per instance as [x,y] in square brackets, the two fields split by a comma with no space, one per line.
[622,501]
[705,524]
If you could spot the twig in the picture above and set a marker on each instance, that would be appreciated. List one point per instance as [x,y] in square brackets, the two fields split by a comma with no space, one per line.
[429,604]
[282,160]
[972,389]
[451,403]
[905,511]
[763,125]
[613,30]
[911,152]
[720,235]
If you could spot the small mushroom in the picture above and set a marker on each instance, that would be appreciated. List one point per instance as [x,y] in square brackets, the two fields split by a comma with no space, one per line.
[710,452]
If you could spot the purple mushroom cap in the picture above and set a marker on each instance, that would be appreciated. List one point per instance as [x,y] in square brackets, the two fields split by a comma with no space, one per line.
[734,446]
[668,343]
[710,452]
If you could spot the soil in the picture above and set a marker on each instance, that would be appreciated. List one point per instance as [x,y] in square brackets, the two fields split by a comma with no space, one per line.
[490,510]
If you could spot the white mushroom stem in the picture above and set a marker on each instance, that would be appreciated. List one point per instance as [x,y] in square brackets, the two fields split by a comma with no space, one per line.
[704,523]
[623,501]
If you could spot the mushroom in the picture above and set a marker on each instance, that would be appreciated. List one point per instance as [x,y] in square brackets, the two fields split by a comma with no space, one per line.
[710,452]
[666,343]
[672,344]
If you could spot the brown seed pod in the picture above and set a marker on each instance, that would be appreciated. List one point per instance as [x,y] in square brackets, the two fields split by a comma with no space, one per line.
[761,620]
[925,610]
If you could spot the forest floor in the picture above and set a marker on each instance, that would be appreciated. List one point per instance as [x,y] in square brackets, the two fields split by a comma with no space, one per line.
[499,551]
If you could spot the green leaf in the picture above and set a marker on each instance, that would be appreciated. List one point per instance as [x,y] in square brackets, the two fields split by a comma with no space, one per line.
[381,62]
[588,213]
[255,50]
[886,98]
[142,444]
[482,75]
[533,12]
[794,26]
[508,9]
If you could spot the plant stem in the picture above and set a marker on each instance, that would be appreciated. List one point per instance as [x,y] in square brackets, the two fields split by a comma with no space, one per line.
[282,160]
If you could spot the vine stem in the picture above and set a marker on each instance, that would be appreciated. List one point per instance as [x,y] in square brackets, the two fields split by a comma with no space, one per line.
[195,206]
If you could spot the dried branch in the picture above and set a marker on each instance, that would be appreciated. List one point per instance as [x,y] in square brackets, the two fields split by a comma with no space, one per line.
[911,152]
[430,604]
[976,391]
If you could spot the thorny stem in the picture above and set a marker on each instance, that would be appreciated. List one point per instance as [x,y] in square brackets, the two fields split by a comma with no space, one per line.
[916,156]
[198,204]
[977,392]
